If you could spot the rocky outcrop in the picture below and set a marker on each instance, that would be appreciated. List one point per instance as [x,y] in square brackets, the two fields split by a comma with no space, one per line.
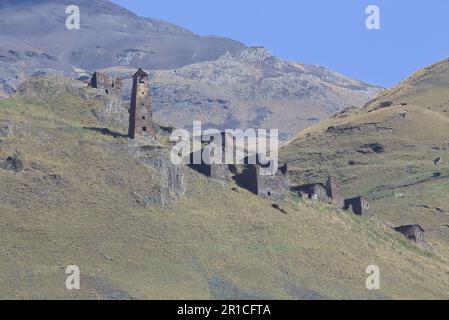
[50,86]
[171,180]
[167,179]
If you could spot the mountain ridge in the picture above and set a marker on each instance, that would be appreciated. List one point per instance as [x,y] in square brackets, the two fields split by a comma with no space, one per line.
[263,90]
[251,88]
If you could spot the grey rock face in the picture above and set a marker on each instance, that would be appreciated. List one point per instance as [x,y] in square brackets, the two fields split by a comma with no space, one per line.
[171,177]
[109,36]
[251,88]
[168,182]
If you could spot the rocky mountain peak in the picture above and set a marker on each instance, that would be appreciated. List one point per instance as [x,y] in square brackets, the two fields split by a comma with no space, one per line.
[255,55]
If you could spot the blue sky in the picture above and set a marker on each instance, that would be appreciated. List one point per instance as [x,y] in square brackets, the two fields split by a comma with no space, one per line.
[332,33]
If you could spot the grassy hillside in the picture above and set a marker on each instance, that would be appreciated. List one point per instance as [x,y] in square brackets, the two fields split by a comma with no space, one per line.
[77,202]
[388,154]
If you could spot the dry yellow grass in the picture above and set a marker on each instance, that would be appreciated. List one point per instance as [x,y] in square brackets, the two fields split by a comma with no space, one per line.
[402,180]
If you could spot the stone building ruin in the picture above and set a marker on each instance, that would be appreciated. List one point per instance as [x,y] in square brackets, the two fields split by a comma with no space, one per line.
[101,81]
[272,187]
[314,191]
[141,123]
[358,205]
[330,192]
[112,92]
[217,171]
[385,104]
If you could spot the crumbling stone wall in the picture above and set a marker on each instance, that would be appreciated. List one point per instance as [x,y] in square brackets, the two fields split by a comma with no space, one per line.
[314,191]
[359,206]
[220,172]
[385,104]
[141,123]
[217,172]
[273,187]
[111,92]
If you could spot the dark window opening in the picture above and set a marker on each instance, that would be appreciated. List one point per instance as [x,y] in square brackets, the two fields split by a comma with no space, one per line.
[269,193]
[143,117]
[144,129]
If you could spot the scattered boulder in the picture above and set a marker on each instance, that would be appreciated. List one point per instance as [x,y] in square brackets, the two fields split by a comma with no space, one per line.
[107,257]
[438,161]
[39,166]
[371,148]
[441,147]
[356,163]
[414,233]
[53,179]
[5,130]
[12,163]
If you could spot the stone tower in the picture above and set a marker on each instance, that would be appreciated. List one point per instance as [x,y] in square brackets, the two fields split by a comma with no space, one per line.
[140,115]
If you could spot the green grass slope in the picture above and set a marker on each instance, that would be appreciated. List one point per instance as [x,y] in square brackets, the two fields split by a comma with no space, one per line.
[215,242]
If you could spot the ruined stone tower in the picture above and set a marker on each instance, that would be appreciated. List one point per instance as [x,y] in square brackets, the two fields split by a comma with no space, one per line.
[111,92]
[140,115]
